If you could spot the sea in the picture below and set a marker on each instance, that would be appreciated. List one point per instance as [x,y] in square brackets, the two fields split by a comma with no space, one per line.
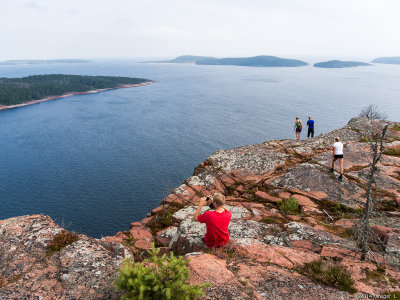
[95,163]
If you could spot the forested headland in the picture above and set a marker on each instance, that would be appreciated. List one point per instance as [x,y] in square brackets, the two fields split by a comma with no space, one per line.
[20,90]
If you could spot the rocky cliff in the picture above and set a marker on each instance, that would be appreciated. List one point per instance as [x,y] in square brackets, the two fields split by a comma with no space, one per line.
[270,245]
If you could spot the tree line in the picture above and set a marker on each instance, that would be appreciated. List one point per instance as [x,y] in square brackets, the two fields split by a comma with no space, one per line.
[19,90]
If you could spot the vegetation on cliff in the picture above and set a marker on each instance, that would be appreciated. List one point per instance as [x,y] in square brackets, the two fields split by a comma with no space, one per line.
[159,278]
[20,90]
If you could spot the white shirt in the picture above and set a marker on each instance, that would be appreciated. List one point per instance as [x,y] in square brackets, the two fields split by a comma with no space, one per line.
[338,148]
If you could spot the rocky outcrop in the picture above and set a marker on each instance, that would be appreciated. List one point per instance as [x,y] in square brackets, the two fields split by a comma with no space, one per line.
[269,241]
[84,269]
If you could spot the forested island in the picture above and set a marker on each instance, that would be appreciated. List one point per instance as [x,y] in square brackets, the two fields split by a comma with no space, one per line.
[15,91]
[340,64]
[387,60]
[44,61]
[255,61]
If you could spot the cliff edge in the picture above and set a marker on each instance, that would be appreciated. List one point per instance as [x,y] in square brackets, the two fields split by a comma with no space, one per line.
[270,244]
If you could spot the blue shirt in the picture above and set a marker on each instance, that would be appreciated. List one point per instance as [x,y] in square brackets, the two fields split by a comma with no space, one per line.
[310,123]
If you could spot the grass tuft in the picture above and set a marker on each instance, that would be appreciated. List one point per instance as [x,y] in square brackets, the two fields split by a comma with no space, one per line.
[392,152]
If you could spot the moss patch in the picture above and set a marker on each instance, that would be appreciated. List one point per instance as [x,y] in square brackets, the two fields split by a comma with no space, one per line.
[379,277]
[330,274]
[14,278]
[340,211]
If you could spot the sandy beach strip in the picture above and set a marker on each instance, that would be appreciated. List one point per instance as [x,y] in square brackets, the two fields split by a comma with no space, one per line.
[2,107]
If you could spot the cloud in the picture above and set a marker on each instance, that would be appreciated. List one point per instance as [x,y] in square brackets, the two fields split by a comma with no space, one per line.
[168,33]
[34,5]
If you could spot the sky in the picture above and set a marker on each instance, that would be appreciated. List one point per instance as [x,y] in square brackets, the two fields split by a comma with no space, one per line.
[96,29]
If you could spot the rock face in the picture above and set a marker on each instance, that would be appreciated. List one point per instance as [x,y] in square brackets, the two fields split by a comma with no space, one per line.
[83,270]
[270,239]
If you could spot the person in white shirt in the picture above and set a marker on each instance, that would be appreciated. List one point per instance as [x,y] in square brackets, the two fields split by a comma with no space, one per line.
[337,154]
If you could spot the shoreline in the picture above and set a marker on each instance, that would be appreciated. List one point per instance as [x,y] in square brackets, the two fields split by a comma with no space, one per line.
[4,107]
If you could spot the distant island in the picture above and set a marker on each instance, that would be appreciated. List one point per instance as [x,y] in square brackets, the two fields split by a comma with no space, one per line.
[255,61]
[395,60]
[184,59]
[340,64]
[16,92]
[41,62]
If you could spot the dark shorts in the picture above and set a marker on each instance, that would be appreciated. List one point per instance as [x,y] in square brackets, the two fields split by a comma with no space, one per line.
[338,155]
[298,129]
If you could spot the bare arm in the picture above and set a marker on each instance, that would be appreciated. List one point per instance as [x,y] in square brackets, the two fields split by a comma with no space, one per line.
[197,213]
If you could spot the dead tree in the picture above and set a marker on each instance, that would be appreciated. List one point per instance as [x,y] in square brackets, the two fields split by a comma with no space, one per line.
[371,112]
[364,223]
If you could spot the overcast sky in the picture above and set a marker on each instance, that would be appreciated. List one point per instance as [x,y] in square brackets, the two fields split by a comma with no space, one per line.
[49,29]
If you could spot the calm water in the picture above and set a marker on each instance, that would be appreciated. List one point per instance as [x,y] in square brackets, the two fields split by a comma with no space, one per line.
[98,162]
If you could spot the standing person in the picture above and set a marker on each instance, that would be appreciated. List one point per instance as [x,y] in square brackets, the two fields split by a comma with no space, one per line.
[337,154]
[217,221]
[311,126]
[298,126]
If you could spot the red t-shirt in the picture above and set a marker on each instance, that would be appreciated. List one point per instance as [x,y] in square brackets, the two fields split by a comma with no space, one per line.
[217,227]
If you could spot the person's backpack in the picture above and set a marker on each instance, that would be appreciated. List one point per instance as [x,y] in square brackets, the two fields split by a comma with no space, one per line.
[299,125]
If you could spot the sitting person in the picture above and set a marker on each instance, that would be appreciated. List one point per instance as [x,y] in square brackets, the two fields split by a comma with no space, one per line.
[217,221]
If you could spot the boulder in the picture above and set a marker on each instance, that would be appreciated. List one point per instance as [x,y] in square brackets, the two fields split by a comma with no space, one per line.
[281,256]
[267,198]
[310,177]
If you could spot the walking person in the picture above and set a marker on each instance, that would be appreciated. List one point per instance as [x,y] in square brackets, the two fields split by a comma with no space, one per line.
[311,126]
[298,126]
[337,155]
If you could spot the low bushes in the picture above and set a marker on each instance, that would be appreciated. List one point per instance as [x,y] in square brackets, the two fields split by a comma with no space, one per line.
[157,278]
[60,240]
[330,274]
[289,206]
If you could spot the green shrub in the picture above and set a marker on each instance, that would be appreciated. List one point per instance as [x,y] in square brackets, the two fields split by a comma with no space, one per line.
[60,240]
[396,127]
[289,205]
[327,273]
[158,278]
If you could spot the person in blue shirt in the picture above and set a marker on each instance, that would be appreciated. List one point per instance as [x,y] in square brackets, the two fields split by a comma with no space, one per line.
[311,126]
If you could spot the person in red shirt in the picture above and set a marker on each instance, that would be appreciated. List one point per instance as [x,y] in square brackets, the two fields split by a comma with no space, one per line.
[217,221]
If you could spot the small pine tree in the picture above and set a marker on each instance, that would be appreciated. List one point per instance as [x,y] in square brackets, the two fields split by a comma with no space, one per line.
[160,278]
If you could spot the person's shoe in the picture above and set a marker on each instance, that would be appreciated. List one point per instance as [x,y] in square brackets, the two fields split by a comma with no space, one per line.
[331,170]
[340,177]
